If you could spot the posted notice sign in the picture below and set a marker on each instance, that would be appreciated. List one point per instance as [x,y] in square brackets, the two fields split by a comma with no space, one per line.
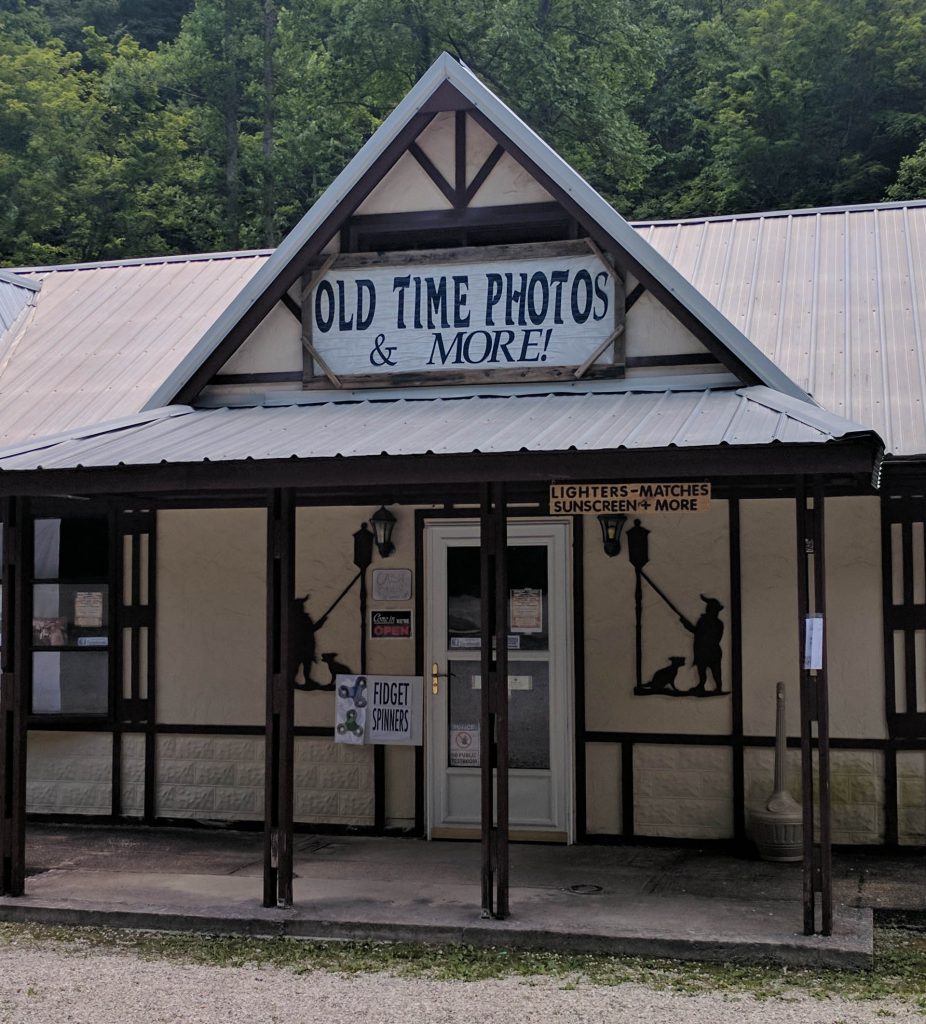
[393,624]
[378,709]
[622,499]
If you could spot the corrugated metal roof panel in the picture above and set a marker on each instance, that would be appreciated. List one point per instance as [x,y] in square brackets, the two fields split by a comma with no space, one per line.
[836,297]
[536,423]
[16,293]
[103,337]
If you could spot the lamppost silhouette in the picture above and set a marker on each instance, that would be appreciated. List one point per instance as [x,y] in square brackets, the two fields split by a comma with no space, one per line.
[638,553]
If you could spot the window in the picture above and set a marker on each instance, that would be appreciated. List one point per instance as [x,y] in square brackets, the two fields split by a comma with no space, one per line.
[71,634]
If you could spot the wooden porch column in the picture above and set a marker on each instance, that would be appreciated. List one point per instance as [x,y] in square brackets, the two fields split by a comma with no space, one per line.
[278,781]
[14,693]
[493,732]
[817,860]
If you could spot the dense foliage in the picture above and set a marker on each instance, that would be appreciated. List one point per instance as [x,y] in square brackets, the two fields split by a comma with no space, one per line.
[133,127]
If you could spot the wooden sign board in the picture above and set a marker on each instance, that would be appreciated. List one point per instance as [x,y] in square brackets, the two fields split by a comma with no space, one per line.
[531,309]
[627,499]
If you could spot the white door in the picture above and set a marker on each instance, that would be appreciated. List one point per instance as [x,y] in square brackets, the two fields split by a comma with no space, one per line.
[539,679]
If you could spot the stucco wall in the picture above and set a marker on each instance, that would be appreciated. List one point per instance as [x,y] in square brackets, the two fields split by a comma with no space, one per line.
[211,672]
[211,644]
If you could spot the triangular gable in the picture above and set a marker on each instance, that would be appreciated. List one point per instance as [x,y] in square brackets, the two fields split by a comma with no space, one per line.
[448,85]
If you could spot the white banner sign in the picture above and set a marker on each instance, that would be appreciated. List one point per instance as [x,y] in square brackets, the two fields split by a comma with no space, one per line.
[451,317]
[378,709]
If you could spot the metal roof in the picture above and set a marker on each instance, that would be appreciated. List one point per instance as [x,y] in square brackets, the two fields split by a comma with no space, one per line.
[447,70]
[836,297]
[102,336]
[16,295]
[477,424]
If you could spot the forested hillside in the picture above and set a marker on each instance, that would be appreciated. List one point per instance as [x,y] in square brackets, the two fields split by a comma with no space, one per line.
[136,127]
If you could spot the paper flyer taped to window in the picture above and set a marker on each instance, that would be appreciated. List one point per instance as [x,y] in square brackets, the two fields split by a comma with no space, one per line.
[813,642]
[88,609]
[526,610]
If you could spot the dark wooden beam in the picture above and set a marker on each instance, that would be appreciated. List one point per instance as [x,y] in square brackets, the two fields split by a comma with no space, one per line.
[290,303]
[383,471]
[277,288]
[278,782]
[493,731]
[16,665]
[459,159]
[426,164]
[479,178]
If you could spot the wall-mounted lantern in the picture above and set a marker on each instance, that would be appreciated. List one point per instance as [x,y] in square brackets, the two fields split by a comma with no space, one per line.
[383,523]
[611,527]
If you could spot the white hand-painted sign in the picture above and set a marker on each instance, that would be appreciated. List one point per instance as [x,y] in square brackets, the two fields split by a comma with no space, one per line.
[451,317]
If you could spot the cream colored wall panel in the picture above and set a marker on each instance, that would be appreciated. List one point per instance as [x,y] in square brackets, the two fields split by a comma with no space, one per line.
[133,774]
[438,142]
[510,184]
[603,788]
[211,616]
[69,773]
[911,797]
[855,643]
[274,347]
[479,144]
[769,603]
[405,189]
[689,555]
[653,331]
[683,791]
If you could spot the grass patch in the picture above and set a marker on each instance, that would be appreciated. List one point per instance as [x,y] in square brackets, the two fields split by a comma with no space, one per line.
[899,972]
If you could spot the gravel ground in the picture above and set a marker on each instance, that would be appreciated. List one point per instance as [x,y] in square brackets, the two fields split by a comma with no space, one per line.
[58,986]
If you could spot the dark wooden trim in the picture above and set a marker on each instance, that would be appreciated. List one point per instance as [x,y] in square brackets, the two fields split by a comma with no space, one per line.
[276,377]
[446,97]
[425,221]
[15,692]
[278,783]
[736,670]
[459,159]
[838,457]
[825,856]
[683,359]
[627,790]
[479,178]
[290,303]
[636,293]
[420,633]
[891,825]
[578,635]
[116,775]
[425,163]
[277,288]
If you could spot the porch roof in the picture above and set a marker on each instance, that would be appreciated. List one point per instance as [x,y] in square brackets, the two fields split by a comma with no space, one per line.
[514,425]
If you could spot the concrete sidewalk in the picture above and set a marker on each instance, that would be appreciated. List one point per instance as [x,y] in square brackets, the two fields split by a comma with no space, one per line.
[647,901]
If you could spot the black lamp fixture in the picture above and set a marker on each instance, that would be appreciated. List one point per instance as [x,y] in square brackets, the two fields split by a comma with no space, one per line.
[611,527]
[383,523]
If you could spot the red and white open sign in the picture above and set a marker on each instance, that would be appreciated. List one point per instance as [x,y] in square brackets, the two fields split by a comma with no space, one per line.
[392,624]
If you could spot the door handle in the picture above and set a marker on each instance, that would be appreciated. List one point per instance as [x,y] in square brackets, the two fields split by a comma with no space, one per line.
[435,675]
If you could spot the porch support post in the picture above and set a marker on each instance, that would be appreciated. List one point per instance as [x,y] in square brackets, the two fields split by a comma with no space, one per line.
[278,781]
[817,859]
[493,732]
[16,664]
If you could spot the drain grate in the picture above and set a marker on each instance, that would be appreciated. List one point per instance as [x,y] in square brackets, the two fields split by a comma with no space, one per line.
[585,889]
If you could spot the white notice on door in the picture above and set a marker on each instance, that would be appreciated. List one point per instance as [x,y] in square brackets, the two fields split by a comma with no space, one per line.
[526,610]
[464,745]
[813,642]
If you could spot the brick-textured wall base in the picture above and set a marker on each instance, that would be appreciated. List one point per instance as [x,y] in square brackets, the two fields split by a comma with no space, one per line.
[683,792]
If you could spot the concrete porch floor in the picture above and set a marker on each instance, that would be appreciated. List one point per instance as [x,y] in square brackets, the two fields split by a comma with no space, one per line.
[648,901]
